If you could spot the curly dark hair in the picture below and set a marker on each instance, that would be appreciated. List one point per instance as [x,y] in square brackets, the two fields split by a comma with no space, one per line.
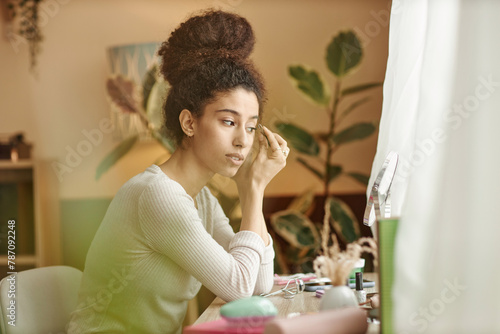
[206,55]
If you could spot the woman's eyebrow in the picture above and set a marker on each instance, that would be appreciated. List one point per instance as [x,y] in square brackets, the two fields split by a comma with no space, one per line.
[234,112]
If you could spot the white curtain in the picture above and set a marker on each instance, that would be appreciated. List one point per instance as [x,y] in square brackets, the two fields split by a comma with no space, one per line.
[441,113]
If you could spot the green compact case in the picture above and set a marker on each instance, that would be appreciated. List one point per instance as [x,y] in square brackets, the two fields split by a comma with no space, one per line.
[249,312]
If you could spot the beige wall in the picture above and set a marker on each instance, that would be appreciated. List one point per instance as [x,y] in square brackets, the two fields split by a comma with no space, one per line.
[69,94]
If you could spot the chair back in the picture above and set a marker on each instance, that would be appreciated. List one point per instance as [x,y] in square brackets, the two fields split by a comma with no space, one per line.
[39,300]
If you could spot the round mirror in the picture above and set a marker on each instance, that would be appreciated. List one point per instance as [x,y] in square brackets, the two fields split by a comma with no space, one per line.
[379,203]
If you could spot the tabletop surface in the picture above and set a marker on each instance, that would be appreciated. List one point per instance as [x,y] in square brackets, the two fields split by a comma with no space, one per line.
[306,302]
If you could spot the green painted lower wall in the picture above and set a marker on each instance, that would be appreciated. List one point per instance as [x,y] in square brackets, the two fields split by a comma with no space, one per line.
[80,219]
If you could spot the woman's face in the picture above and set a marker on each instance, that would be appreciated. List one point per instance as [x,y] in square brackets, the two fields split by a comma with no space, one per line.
[224,134]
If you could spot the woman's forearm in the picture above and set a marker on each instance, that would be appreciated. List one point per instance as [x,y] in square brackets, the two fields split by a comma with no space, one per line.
[252,219]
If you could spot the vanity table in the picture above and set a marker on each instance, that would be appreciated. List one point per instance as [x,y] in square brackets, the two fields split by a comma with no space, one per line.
[305,302]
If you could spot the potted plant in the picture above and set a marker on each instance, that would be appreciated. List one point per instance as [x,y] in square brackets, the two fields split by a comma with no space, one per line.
[25,14]
[343,54]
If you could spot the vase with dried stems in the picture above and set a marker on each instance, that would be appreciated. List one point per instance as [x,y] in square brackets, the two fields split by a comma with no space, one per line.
[337,265]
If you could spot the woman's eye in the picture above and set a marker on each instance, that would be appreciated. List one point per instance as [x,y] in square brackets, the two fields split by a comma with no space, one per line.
[231,123]
[251,129]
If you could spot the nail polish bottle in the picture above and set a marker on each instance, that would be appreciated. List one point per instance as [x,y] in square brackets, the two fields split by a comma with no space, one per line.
[360,293]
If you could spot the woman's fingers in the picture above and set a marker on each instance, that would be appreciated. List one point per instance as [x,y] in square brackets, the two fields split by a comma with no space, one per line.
[283,145]
[273,143]
[262,136]
[271,138]
[270,159]
[277,144]
[281,142]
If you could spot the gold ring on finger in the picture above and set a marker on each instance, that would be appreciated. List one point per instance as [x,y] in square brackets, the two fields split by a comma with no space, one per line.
[285,152]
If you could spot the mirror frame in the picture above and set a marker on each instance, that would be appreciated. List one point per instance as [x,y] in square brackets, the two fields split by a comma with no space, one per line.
[380,192]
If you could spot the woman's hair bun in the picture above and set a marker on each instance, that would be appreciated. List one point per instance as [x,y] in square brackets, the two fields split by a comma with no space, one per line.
[210,36]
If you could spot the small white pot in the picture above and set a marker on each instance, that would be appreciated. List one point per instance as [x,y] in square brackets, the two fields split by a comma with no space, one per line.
[338,297]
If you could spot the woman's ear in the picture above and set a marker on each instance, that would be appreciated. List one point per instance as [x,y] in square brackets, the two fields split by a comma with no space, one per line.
[187,120]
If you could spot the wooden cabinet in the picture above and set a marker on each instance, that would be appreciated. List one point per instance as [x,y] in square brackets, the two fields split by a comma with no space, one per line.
[19,239]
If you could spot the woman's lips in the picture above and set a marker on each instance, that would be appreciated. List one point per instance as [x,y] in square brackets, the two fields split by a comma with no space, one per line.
[236,158]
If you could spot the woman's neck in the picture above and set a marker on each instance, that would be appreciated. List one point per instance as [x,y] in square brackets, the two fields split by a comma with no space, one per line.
[183,168]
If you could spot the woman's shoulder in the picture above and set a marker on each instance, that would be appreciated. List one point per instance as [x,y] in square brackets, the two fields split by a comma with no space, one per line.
[153,180]
[207,196]
[210,203]
[163,197]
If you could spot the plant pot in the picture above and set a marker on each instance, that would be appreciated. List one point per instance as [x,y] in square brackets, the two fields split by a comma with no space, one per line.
[338,297]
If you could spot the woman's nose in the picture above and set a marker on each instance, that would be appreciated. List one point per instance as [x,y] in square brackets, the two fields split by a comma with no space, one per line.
[242,137]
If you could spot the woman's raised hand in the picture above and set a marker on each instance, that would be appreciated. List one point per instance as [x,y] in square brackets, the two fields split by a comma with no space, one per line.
[270,158]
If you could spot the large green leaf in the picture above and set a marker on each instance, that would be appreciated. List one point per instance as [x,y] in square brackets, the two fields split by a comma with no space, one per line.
[311,168]
[148,82]
[343,220]
[121,90]
[359,88]
[116,154]
[155,103]
[310,83]
[334,171]
[295,228]
[343,53]
[303,203]
[361,178]
[298,138]
[300,259]
[355,132]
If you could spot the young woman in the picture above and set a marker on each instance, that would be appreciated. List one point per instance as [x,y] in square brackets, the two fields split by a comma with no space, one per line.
[165,234]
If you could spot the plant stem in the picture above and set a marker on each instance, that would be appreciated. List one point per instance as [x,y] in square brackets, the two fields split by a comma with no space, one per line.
[329,143]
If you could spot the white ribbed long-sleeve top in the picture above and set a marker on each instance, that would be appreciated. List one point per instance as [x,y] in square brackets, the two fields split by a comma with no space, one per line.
[154,250]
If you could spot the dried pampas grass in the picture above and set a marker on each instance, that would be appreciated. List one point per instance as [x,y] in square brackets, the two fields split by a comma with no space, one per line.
[335,263]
